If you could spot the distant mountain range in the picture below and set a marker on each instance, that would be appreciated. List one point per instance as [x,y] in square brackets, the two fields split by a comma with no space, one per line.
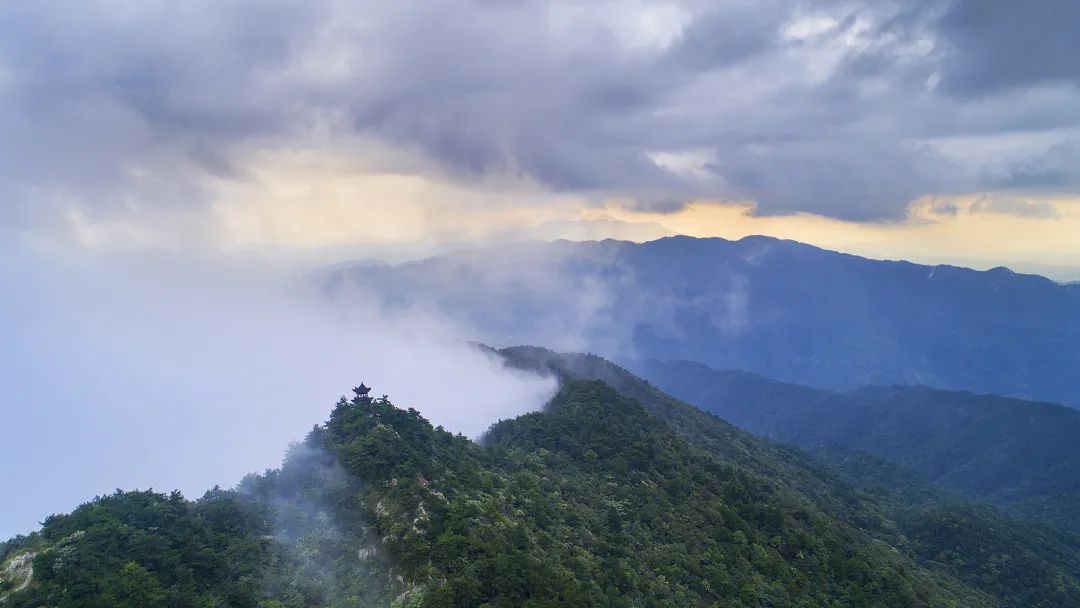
[783,309]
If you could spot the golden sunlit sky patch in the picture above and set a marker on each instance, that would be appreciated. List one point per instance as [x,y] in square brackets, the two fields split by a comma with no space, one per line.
[324,209]
[962,235]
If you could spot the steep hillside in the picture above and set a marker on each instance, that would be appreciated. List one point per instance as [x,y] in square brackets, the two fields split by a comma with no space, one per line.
[783,309]
[146,550]
[1015,560]
[600,500]
[1021,455]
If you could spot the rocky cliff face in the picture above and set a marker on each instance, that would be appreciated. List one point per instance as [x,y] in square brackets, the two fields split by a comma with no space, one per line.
[16,574]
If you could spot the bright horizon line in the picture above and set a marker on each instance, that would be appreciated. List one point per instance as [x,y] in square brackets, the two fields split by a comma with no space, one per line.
[1019,267]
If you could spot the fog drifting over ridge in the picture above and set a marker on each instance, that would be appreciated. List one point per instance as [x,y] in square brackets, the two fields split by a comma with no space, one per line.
[177,373]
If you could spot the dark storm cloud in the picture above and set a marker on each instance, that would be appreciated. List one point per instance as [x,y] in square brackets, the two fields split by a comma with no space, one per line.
[726,36]
[1056,169]
[848,176]
[120,106]
[496,92]
[1002,44]
[838,108]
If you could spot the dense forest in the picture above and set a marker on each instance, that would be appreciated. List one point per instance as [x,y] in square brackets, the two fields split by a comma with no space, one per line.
[1019,455]
[615,495]
[144,549]
[1025,561]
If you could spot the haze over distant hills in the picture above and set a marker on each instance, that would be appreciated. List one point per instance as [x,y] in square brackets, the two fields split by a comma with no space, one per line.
[783,309]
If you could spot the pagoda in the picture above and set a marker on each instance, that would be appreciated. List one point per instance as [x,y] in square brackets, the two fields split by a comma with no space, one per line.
[362,396]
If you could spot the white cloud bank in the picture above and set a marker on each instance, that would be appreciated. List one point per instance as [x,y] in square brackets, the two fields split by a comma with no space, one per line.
[174,374]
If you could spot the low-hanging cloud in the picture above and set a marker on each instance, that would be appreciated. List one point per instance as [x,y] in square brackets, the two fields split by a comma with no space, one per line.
[183,374]
[604,297]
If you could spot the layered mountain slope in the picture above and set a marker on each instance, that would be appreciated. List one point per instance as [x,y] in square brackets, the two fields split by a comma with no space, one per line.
[600,500]
[1021,455]
[780,308]
[591,503]
[1017,561]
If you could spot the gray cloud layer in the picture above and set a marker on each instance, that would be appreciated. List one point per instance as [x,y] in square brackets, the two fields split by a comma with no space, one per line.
[848,109]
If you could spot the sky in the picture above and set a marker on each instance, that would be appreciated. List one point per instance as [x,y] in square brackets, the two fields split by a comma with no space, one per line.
[167,168]
[331,128]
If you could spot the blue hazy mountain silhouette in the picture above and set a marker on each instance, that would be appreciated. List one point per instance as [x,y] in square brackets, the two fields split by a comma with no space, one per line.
[786,310]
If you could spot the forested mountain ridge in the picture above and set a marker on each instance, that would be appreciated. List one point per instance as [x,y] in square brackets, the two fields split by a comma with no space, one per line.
[783,309]
[1019,561]
[550,512]
[601,499]
[1020,455]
